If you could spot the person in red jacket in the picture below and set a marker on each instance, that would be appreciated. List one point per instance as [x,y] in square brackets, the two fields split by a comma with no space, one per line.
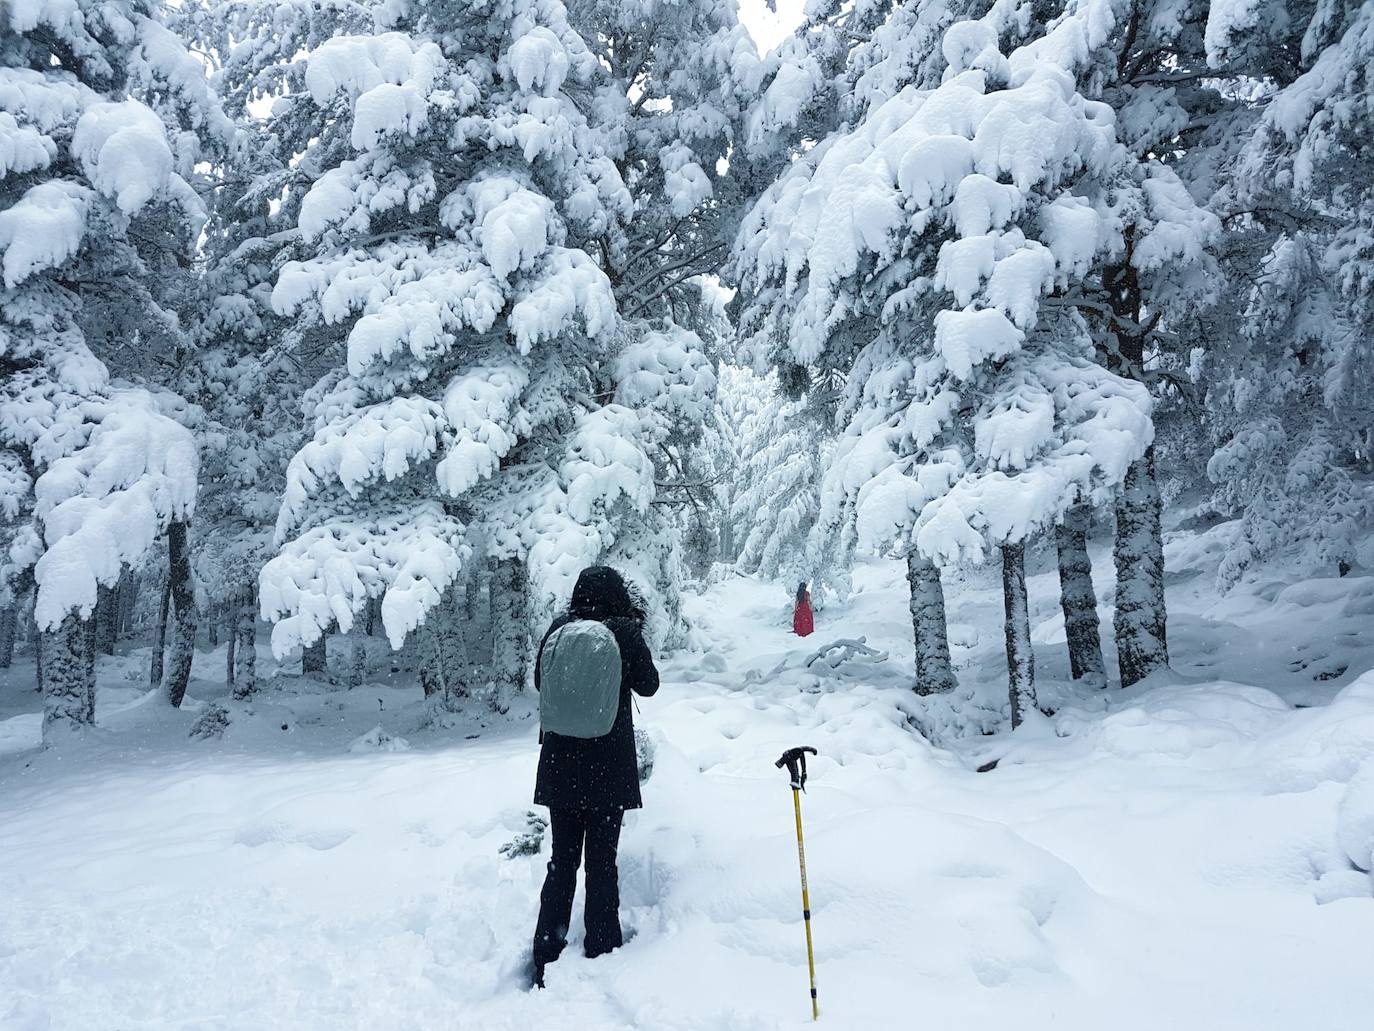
[802,623]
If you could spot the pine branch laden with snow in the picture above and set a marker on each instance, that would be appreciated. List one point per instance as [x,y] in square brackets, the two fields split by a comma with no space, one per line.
[844,651]
[102,507]
[677,80]
[843,60]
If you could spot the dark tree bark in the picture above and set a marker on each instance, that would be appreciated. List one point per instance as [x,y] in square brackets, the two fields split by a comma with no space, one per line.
[315,657]
[1141,617]
[1141,620]
[106,618]
[1020,657]
[510,653]
[212,631]
[1078,599]
[9,625]
[160,637]
[245,647]
[184,607]
[230,643]
[357,657]
[934,670]
[89,659]
[67,677]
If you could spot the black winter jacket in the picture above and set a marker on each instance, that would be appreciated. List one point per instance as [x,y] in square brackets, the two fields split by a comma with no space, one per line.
[599,772]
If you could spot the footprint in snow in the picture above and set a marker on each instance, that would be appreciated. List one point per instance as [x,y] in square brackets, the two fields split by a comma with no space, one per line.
[321,840]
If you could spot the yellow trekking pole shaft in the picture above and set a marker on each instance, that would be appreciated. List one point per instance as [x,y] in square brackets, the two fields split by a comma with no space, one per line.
[806,906]
[795,761]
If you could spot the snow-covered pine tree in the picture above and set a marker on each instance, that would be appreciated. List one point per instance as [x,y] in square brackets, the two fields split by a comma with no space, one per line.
[1289,406]
[250,370]
[249,392]
[707,453]
[785,447]
[104,113]
[740,395]
[666,376]
[438,227]
[679,79]
[9,625]
[1183,82]
[934,254]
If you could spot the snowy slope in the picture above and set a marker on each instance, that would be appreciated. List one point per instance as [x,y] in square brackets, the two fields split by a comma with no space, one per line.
[1185,859]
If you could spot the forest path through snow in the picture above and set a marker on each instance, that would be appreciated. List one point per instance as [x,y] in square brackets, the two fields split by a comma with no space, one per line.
[1158,866]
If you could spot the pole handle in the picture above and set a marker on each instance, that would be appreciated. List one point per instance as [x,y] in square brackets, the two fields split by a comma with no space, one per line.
[795,761]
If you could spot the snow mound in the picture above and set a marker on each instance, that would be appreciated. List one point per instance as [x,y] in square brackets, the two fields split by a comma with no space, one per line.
[1355,818]
[378,740]
[1327,743]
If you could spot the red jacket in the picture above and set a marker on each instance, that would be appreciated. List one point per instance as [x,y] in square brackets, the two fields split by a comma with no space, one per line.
[802,623]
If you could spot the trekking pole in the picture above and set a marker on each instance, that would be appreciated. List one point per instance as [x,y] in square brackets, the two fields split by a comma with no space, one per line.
[795,761]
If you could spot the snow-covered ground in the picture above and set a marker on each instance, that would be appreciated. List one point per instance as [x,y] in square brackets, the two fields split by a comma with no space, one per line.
[1178,856]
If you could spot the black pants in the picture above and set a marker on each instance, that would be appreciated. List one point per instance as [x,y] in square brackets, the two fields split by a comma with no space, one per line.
[575,831]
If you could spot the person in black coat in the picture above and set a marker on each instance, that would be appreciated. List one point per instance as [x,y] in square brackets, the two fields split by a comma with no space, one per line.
[588,783]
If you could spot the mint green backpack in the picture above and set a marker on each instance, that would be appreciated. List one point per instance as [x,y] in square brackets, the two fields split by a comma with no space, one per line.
[579,680]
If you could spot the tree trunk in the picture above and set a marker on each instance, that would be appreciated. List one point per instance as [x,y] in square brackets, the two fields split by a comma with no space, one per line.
[727,533]
[212,631]
[67,679]
[184,607]
[510,653]
[1140,621]
[1141,618]
[89,655]
[245,647]
[443,655]
[1020,657]
[230,642]
[160,638]
[315,657]
[9,623]
[128,600]
[478,636]
[106,618]
[934,670]
[669,573]
[357,659]
[1077,598]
